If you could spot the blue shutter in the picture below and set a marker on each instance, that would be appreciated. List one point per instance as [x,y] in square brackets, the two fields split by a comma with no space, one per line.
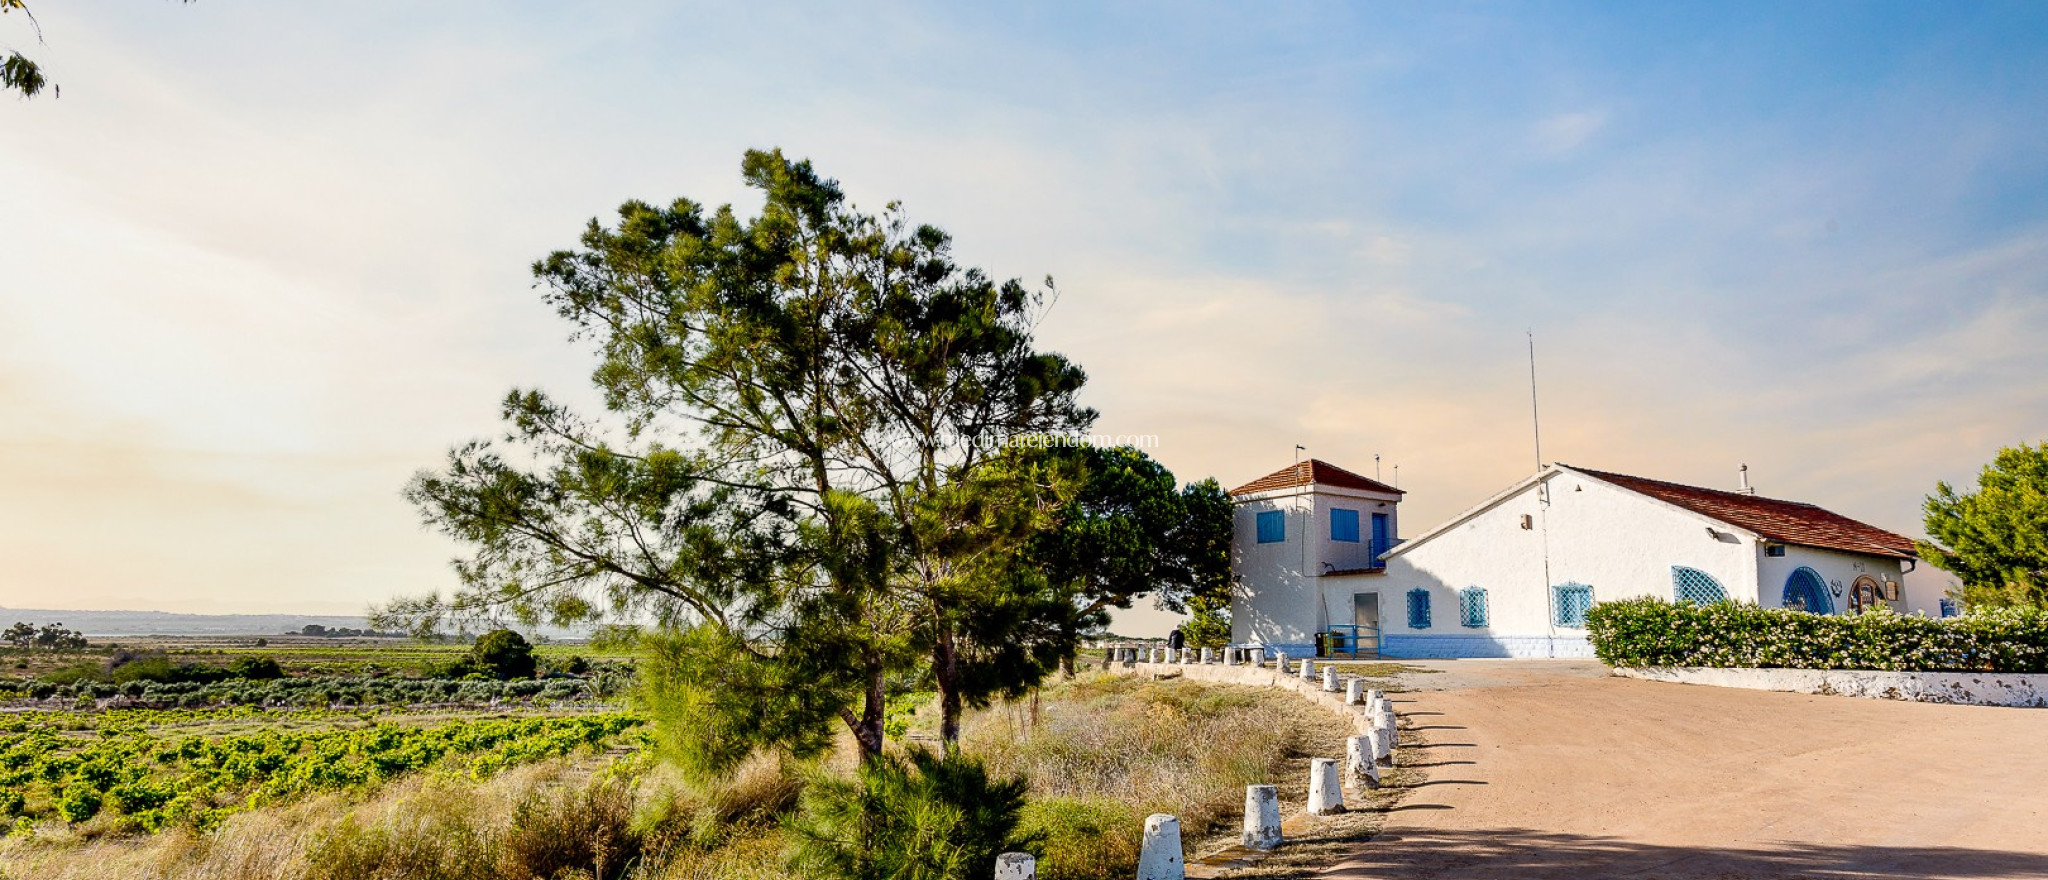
[1695,587]
[1570,603]
[1344,525]
[1382,536]
[1418,608]
[1948,608]
[1272,526]
[1472,606]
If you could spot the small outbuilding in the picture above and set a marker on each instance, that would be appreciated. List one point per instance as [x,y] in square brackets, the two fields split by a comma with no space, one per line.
[1514,575]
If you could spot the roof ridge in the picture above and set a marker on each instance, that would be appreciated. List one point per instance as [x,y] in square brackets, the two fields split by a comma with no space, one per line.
[1746,496]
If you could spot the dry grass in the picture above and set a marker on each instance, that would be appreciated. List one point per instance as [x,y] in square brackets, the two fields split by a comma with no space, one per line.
[1108,750]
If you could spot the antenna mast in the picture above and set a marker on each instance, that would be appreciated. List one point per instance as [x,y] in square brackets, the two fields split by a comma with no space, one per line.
[1535,418]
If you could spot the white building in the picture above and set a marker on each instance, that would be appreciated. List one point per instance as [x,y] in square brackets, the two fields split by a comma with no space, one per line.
[1513,576]
[1305,554]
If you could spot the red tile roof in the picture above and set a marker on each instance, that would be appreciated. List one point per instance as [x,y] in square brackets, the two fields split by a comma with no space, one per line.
[1321,473]
[1786,522]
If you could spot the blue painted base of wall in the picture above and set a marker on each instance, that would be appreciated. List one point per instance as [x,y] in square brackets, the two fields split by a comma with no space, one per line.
[1451,647]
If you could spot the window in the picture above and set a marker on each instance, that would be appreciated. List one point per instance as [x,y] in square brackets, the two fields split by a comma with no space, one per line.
[1418,608]
[1344,525]
[1570,603]
[1806,591]
[1948,609]
[1695,587]
[1774,550]
[1472,606]
[1272,526]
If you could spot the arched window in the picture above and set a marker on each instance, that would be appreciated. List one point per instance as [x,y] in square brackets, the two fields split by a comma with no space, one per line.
[1569,603]
[1695,587]
[1418,608]
[1472,606]
[1805,591]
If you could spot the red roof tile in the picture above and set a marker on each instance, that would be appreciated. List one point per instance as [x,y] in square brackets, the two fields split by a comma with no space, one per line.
[1320,473]
[1786,522]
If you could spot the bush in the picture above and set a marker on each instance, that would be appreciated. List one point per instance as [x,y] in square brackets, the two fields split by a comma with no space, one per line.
[504,654]
[256,668]
[1655,632]
[1081,838]
[918,817]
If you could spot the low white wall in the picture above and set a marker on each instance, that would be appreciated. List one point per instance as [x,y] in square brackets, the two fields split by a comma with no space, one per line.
[1977,688]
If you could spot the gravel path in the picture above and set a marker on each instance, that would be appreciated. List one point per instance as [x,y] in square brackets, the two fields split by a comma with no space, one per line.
[1552,769]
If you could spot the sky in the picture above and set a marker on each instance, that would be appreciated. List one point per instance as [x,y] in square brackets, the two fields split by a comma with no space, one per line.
[261,262]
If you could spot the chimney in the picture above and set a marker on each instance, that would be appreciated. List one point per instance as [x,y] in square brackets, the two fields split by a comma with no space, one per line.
[1745,489]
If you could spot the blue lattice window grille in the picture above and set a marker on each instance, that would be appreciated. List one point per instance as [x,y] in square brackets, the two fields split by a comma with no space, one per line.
[1806,591]
[1344,525]
[1692,586]
[1569,604]
[1272,526]
[1472,606]
[1418,608]
[1948,608]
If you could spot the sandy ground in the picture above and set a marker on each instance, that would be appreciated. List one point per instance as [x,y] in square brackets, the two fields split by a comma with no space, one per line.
[1547,769]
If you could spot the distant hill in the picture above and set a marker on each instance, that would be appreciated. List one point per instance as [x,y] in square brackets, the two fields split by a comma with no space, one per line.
[165,623]
[104,624]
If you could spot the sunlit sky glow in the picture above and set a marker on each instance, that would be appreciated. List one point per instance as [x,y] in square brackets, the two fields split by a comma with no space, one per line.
[261,261]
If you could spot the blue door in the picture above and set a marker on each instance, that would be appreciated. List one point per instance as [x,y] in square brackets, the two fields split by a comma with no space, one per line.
[1382,541]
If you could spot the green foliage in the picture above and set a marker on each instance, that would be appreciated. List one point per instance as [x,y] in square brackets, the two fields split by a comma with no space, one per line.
[1129,529]
[1209,625]
[503,654]
[714,702]
[1995,540]
[915,817]
[1655,632]
[1080,838]
[255,668]
[154,782]
[802,406]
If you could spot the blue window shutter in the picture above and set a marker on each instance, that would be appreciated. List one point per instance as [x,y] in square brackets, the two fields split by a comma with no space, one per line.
[1472,606]
[1418,608]
[1382,535]
[1948,608]
[1570,603]
[1344,525]
[1692,586]
[1272,526]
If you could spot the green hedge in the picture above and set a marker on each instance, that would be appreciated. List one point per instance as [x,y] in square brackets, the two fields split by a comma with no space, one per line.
[1654,632]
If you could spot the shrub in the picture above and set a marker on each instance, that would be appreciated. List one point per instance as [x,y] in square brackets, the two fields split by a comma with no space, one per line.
[1654,632]
[552,835]
[1080,838]
[504,654]
[917,817]
[256,668]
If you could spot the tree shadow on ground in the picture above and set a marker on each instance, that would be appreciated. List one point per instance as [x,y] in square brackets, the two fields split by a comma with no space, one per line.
[1425,854]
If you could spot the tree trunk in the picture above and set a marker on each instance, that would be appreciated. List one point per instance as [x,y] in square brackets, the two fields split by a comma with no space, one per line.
[869,733]
[946,672]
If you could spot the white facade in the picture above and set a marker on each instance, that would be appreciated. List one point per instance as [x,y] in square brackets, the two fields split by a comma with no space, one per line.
[1510,555]
[1290,589]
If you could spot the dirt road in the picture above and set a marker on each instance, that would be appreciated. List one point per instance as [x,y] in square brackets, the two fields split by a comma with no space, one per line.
[1546,769]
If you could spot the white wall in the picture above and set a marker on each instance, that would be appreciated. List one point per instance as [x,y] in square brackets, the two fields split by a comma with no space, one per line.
[1278,599]
[1619,543]
[1840,571]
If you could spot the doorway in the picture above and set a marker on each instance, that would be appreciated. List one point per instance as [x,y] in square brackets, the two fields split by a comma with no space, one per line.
[1365,615]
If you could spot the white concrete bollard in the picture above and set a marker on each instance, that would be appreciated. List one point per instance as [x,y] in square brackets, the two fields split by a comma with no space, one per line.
[1325,787]
[1361,761]
[1329,680]
[1387,712]
[1229,656]
[1354,692]
[1280,661]
[1382,740]
[1208,655]
[1375,696]
[1159,858]
[1261,817]
[1016,866]
[1257,657]
[1308,670]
